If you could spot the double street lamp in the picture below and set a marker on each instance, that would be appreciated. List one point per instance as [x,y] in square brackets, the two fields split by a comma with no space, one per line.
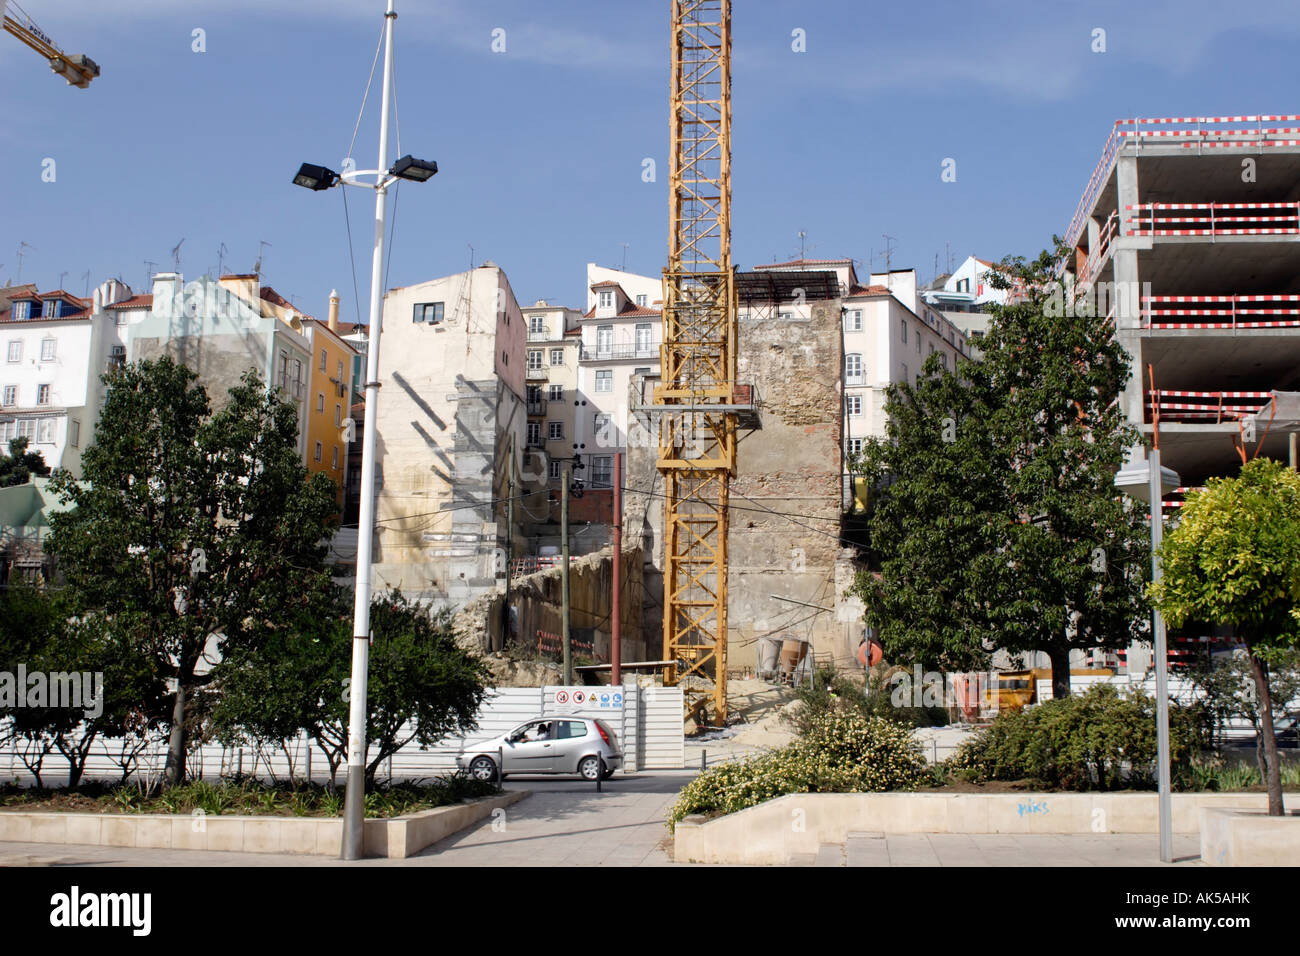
[1145,480]
[317,179]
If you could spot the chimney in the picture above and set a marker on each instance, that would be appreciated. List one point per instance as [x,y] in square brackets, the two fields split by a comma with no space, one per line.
[334,311]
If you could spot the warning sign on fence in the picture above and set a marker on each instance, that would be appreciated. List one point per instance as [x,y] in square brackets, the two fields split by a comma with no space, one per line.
[570,700]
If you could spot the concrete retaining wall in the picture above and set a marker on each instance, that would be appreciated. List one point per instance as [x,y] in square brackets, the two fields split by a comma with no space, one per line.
[397,838]
[1249,838]
[772,832]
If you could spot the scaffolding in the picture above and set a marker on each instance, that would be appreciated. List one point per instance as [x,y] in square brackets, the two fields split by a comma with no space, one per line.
[696,395]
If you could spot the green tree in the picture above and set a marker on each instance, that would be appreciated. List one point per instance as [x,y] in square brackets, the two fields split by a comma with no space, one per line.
[995,521]
[421,687]
[194,534]
[1233,559]
[17,467]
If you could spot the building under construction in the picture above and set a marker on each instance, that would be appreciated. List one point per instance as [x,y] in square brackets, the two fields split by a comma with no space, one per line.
[1190,231]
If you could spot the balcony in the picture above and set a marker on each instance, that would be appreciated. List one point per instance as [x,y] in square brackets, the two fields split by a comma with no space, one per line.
[537,408]
[542,336]
[536,374]
[615,353]
[1204,407]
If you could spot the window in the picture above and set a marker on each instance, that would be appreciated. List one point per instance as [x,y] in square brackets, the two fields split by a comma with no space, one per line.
[854,405]
[601,471]
[853,369]
[943,360]
[340,375]
[555,393]
[534,434]
[318,451]
[640,300]
[963,285]
[918,344]
[853,321]
[323,359]
[428,312]
[554,430]
[537,325]
[50,309]
[338,416]
[604,431]
[320,401]
[604,339]
[22,310]
[606,300]
[605,380]
[534,359]
[74,433]
[855,446]
[47,350]
[904,321]
[568,730]
[642,337]
[640,371]
[42,395]
[905,372]
[282,370]
[16,350]
[11,395]
[505,357]
[335,464]
[557,356]
[555,469]
[45,431]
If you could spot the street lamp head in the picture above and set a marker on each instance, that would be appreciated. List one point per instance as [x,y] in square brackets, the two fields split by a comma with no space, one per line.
[315,178]
[416,170]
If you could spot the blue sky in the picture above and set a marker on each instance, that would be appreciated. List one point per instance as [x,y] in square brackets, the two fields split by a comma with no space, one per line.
[541,147]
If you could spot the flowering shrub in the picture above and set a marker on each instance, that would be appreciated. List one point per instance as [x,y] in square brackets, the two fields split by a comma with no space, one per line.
[842,751]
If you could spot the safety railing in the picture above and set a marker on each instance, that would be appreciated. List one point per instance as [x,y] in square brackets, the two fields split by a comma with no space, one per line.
[1097,257]
[1191,132]
[1204,407]
[1215,219]
[1262,311]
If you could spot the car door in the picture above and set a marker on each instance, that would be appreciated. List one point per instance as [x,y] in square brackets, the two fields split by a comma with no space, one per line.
[529,749]
[569,736]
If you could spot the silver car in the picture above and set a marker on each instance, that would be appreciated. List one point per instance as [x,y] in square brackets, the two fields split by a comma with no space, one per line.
[560,744]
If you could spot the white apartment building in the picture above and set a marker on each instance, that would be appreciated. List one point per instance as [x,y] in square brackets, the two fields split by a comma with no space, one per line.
[56,347]
[620,334]
[961,296]
[551,388]
[451,433]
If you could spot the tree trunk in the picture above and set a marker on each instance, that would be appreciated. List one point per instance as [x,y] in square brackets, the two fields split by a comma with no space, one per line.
[1060,658]
[174,769]
[1274,778]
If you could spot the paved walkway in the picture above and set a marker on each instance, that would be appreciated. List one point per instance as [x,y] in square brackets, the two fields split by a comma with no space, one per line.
[566,823]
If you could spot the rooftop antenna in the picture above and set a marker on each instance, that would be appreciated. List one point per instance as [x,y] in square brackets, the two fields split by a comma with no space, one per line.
[624,245]
[257,267]
[21,246]
[149,271]
[221,259]
[936,268]
[61,275]
[471,256]
[176,254]
[947,247]
[86,276]
[802,236]
[889,252]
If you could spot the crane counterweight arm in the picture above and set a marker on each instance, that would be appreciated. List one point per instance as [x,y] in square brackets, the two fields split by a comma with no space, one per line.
[78,69]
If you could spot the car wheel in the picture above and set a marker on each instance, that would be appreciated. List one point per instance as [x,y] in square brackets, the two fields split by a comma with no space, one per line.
[589,768]
[483,768]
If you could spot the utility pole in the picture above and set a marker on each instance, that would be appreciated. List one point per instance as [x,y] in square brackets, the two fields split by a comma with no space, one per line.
[615,601]
[567,636]
[355,794]
[510,540]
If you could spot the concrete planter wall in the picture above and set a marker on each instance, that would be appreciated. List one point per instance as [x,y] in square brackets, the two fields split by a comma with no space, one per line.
[397,838]
[772,832]
[1249,838]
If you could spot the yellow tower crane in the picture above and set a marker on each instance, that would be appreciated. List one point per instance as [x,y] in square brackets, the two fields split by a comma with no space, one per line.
[697,392]
[77,69]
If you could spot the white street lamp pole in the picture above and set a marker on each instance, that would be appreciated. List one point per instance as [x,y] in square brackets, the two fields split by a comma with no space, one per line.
[1162,666]
[355,795]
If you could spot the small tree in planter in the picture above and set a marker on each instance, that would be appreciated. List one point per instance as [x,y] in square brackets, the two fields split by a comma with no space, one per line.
[1234,559]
